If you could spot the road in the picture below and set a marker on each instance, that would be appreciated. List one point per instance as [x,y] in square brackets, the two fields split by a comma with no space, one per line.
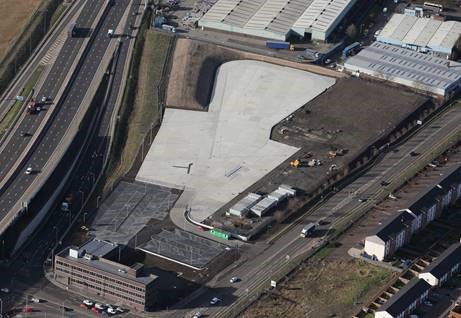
[257,267]
[25,274]
[64,112]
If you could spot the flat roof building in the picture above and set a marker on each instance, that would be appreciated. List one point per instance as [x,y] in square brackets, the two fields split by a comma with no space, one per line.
[405,300]
[277,19]
[444,267]
[423,72]
[92,270]
[421,34]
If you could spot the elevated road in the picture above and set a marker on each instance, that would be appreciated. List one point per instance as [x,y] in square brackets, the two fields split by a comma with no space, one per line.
[64,113]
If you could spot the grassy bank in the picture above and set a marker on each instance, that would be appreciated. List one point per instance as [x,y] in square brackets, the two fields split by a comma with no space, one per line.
[10,116]
[140,108]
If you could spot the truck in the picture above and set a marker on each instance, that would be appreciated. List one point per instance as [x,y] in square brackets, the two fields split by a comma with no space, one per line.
[279,45]
[72,31]
[351,49]
[307,230]
[168,27]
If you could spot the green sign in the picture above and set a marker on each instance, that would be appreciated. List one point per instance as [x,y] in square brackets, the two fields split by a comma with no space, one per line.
[220,234]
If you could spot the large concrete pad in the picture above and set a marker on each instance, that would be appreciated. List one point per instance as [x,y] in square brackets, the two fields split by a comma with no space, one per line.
[215,155]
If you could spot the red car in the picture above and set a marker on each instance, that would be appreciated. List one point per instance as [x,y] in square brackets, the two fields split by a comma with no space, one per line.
[27,309]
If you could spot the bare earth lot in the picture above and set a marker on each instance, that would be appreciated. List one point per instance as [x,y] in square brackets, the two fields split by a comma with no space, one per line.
[11,24]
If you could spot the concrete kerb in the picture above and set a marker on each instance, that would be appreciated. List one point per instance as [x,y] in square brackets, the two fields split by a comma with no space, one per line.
[7,220]
[36,56]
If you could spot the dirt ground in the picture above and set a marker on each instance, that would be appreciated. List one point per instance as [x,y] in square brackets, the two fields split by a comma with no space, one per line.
[11,24]
[318,291]
[195,64]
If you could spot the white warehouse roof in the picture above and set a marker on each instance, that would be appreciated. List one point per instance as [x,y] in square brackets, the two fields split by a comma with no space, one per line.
[275,19]
[423,33]
[406,67]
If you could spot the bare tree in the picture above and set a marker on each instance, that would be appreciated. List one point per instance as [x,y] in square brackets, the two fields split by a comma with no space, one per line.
[351,31]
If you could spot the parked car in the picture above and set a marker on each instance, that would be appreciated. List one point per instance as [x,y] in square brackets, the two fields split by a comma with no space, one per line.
[88,302]
[27,309]
[111,311]
[120,310]
[35,300]
[214,301]
[5,290]
[197,315]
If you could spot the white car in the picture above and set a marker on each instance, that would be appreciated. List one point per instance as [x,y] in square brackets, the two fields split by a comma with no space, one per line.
[197,315]
[234,280]
[44,99]
[111,311]
[214,301]
[35,300]
[88,302]
[120,310]
[29,170]
[99,306]
[5,290]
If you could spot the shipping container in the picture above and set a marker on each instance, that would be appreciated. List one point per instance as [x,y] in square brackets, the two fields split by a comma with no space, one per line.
[278,45]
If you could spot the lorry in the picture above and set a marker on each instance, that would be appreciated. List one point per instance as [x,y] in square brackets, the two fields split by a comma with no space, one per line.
[279,45]
[351,49]
[307,230]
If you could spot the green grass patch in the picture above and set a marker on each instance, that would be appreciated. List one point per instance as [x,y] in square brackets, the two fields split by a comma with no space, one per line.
[10,116]
[144,112]
[323,252]
[57,13]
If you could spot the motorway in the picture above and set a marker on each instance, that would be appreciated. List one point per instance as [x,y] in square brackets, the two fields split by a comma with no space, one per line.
[256,268]
[55,79]
[65,111]
[25,274]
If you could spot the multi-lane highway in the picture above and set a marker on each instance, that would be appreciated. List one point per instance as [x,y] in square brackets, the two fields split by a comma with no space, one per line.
[65,110]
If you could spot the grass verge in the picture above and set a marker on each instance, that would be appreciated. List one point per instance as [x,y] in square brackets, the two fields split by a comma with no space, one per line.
[10,116]
[145,111]
[57,13]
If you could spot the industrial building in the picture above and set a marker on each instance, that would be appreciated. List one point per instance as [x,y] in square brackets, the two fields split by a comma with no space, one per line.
[426,35]
[405,300]
[398,230]
[420,71]
[277,19]
[444,267]
[92,270]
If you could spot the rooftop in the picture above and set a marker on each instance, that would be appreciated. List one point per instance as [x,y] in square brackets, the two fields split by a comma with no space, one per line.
[394,225]
[423,32]
[277,16]
[443,264]
[405,297]
[389,61]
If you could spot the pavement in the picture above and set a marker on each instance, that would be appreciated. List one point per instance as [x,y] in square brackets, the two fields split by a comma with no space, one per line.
[220,152]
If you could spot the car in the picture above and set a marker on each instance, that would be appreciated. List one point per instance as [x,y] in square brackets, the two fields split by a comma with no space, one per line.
[428,303]
[327,61]
[5,290]
[414,153]
[197,315]
[385,183]
[120,310]
[111,311]
[88,302]
[29,170]
[214,301]
[96,310]
[27,309]
[362,200]
[99,306]
[44,99]
[35,300]
[234,280]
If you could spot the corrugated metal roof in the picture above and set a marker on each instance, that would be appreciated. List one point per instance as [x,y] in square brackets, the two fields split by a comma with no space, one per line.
[394,61]
[278,16]
[421,32]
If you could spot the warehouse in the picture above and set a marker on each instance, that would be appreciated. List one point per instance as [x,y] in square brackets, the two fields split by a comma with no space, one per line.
[444,267]
[425,35]
[405,301]
[425,73]
[277,19]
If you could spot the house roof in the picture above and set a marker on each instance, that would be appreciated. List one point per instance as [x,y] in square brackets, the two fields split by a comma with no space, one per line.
[445,262]
[425,200]
[405,297]
[454,176]
[394,225]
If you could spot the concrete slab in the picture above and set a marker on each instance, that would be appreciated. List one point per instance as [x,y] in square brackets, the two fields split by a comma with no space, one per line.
[215,155]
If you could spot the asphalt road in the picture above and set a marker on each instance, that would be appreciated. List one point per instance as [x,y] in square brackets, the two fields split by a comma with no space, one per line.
[65,112]
[52,84]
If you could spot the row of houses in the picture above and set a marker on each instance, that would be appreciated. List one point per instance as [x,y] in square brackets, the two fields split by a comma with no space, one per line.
[417,290]
[398,230]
